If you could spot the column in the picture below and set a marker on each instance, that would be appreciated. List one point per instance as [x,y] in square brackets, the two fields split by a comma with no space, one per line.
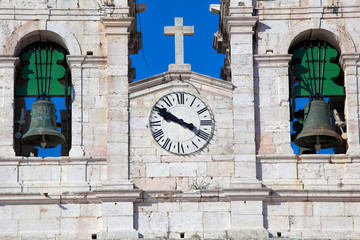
[7,72]
[240,29]
[117,34]
[350,65]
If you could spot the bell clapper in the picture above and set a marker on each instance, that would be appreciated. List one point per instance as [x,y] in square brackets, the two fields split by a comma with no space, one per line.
[317,144]
[340,124]
[43,142]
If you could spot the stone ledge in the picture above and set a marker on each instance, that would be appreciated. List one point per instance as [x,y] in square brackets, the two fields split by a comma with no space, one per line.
[313,195]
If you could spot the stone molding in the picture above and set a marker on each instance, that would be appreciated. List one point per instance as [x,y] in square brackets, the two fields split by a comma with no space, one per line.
[117,26]
[313,195]
[349,60]
[247,194]
[307,158]
[86,61]
[272,61]
[302,13]
[161,81]
[7,61]
[241,25]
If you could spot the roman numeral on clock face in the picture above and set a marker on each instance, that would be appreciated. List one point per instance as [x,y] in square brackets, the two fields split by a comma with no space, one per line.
[166,143]
[205,122]
[180,98]
[203,135]
[202,110]
[155,123]
[167,101]
[158,133]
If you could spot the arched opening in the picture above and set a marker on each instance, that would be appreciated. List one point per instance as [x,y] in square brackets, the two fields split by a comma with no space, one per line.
[317,95]
[42,74]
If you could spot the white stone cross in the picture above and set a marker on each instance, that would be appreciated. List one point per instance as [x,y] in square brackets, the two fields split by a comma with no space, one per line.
[179,31]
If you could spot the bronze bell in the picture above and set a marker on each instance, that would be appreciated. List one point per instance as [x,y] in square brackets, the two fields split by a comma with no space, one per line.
[43,131]
[317,131]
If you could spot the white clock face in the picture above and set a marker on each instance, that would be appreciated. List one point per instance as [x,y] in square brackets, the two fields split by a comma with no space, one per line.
[181,123]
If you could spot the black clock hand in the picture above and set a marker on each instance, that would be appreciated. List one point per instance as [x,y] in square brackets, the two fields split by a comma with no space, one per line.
[170,117]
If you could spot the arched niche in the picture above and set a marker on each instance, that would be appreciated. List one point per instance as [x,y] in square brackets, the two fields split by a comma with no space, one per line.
[301,31]
[31,32]
[315,74]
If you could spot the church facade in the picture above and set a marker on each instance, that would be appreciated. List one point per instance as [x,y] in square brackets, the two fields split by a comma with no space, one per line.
[180,154]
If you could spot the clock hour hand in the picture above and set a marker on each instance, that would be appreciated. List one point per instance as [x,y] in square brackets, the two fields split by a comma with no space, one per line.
[170,117]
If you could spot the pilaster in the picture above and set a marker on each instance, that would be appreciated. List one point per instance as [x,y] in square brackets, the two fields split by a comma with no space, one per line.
[240,26]
[272,104]
[117,35]
[247,220]
[77,137]
[350,65]
[7,72]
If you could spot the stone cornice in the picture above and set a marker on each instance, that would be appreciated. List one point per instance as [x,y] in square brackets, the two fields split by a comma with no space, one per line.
[86,61]
[268,61]
[301,13]
[51,160]
[118,195]
[307,158]
[241,24]
[349,59]
[117,26]
[247,194]
[8,61]
[169,79]
[314,195]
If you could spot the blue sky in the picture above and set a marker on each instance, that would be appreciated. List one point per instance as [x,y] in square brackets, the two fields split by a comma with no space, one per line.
[159,51]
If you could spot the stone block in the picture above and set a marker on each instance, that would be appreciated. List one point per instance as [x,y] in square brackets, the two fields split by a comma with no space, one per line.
[83,227]
[247,207]
[220,168]
[73,173]
[146,207]
[157,170]
[214,206]
[187,169]
[137,170]
[36,173]
[328,209]
[242,221]
[26,212]
[8,226]
[169,207]
[113,209]
[8,174]
[185,221]
[155,183]
[90,210]
[337,223]
[352,209]
[39,225]
[305,223]
[50,211]
[301,208]
[216,220]
[278,223]
[189,207]
[151,222]
[70,210]
[118,223]
[356,223]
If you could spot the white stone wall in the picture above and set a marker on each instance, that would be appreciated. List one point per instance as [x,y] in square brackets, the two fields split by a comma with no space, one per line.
[118,183]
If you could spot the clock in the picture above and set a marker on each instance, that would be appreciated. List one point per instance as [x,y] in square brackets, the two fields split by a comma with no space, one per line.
[181,123]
